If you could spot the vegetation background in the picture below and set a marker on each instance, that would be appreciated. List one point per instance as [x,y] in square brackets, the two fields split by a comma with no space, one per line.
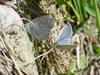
[84,17]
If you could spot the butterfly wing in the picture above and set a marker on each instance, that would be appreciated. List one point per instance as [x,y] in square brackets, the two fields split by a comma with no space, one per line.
[40,27]
[66,41]
[66,32]
[63,41]
[64,44]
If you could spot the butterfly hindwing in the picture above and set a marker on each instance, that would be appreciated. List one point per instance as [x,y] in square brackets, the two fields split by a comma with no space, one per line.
[66,41]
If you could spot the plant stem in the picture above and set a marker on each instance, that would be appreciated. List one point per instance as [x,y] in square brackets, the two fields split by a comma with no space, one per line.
[97,15]
[75,11]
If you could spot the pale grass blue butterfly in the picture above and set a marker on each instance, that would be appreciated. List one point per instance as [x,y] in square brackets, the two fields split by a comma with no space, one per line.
[64,38]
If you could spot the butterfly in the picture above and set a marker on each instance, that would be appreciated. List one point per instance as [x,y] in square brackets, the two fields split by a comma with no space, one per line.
[40,28]
[64,38]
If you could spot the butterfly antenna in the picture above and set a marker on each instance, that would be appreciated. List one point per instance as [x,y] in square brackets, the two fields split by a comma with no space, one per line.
[43,55]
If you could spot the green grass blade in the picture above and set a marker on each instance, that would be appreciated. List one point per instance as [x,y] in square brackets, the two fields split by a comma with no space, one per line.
[97,15]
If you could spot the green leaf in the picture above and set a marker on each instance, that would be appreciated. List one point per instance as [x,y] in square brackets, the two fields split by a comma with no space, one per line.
[96,49]
[90,10]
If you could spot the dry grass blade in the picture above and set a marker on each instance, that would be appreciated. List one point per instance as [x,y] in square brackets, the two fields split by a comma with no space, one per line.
[9,48]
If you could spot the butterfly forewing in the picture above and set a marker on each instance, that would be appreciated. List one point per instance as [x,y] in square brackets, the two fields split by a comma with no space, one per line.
[66,32]
[40,29]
